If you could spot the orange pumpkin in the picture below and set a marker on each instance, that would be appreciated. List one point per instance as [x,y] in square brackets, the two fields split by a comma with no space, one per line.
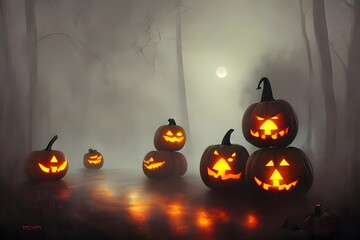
[280,171]
[170,137]
[93,159]
[270,122]
[47,164]
[164,164]
[222,166]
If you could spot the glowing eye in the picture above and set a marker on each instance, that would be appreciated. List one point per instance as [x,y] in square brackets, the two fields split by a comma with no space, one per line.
[259,118]
[169,133]
[230,159]
[54,159]
[284,163]
[270,164]
[275,117]
[234,154]
[216,152]
[179,134]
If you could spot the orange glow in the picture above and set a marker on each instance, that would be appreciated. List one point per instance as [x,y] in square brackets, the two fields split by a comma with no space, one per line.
[251,221]
[97,161]
[150,164]
[54,169]
[203,220]
[221,166]
[276,184]
[173,139]
[176,214]
[268,128]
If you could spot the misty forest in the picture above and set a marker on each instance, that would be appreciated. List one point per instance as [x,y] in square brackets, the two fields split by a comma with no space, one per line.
[107,74]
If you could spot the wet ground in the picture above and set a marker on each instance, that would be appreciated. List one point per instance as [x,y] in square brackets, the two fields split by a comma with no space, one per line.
[124,204]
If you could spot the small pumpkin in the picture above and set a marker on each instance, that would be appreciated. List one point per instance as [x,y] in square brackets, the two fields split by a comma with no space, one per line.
[222,166]
[47,164]
[170,137]
[164,164]
[279,170]
[93,159]
[270,122]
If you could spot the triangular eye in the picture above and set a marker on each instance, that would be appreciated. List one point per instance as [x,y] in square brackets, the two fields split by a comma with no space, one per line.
[216,152]
[259,118]
[234,154]
[275,117]
[270,164]
[54,159]
[179,134]
[284,163]
[169,133]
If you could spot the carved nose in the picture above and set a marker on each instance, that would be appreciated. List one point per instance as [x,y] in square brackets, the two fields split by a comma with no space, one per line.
[276,175]
[267,126]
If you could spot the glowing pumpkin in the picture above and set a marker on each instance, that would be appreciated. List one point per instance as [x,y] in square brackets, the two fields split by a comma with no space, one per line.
[222,166]
[170,137]
[270,122]
[93,159]
[163,164]
[280,170]
[46,164]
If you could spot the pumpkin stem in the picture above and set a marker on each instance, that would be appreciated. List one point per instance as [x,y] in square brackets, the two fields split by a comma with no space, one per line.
[226,139]
[49,146]
[267,92]
[318,210]
[92,150]
[171,122]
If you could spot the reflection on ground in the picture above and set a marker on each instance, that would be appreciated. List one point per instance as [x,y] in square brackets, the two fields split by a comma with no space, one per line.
[117,204]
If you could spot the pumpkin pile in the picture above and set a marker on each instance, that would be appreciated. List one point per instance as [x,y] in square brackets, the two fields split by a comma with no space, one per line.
[272,125]
[166,161]
[222,166]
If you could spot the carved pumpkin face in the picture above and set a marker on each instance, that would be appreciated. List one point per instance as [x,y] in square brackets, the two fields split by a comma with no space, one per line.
[163,164]
[270,122]
[93,159]
[46,164]
[170,137]
[222,166]
[280,170]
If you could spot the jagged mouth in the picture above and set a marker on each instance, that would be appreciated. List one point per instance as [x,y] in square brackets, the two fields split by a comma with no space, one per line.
[173,139]
[151,165]
[263,134]
[223,175]
[94,161]
[276,185]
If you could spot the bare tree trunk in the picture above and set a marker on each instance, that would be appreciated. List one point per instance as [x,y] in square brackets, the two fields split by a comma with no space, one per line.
[32,60]
[352,107]
[181,79]
[308,141]
[322,39]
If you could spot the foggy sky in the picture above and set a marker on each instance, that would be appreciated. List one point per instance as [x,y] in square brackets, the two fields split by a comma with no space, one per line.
[113,82]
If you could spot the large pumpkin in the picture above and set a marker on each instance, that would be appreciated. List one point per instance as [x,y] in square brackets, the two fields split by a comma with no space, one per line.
[170,137]
[222,166]
[47,164]
[164,164]
[279,170]
[270,122]
[93,159]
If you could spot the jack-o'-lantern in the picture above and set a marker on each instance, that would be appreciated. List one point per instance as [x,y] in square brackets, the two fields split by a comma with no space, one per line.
[170,137]
[222,166]
[93,159]
[280,170]
[270,122]
[47,164]
[163,164]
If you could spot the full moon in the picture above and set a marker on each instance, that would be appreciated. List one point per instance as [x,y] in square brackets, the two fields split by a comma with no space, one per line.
[221,72]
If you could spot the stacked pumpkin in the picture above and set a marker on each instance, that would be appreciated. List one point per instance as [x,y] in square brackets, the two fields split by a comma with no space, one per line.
[272,125]
[166,161]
